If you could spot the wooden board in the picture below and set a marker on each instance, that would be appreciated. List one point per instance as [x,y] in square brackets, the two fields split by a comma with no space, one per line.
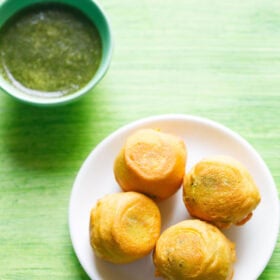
[216,59]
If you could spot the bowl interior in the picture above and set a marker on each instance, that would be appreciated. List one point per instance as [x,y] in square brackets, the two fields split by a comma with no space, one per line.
[95,14]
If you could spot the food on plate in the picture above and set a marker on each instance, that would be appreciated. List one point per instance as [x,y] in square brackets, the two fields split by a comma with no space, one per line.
[193,249]
[151,162]
[220,190]
[124,227]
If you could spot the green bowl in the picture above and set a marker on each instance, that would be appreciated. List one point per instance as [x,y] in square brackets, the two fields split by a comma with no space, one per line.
[9,7]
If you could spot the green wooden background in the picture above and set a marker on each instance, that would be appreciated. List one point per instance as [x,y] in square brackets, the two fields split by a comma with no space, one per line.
[218,59]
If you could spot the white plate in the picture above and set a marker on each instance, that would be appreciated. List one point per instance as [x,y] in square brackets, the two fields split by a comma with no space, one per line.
[255,241]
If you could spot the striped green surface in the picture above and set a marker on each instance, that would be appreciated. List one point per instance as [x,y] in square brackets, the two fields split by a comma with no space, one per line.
[216,59]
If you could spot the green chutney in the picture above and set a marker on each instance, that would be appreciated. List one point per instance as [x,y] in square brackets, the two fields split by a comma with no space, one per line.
[49,50]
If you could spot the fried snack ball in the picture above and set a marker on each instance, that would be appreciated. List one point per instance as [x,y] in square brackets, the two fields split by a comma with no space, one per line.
[220,190]
[151,162]
[124,227]
[195,250]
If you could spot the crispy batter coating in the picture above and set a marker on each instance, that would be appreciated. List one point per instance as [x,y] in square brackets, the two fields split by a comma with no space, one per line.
[195,250]
[151,162]
[220,190]
[124,227]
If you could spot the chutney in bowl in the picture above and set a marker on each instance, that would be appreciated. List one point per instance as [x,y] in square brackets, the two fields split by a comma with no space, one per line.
[52,52]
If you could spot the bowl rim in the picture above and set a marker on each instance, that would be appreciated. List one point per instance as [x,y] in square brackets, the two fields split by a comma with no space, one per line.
[14,92]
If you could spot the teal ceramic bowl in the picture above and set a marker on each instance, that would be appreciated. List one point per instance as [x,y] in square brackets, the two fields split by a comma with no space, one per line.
[90,9]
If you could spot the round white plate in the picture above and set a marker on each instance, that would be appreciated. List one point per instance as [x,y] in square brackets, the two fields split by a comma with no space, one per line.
[255,241]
